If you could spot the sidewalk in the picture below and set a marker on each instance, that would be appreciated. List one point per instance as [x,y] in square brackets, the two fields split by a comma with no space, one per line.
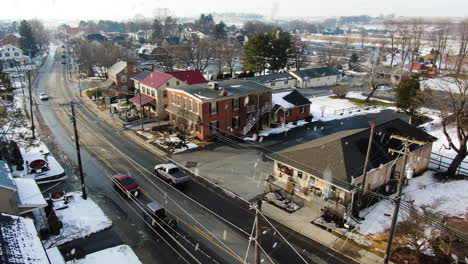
[300,221]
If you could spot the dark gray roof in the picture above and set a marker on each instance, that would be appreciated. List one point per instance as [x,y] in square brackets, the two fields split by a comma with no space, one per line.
[272,77]
[317,72]
[296,98]
[5,176]
[338,158]
[231,87]
[140,76]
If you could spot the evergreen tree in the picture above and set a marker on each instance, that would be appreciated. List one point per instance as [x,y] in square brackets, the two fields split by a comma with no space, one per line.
[27,42]
[407,95]
[220,31]
[271,51]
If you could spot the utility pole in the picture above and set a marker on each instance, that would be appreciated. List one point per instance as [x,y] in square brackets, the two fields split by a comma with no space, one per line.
[366,163]
[79,75]
[141,110]
[405,153]
[77,143]
[257,232]
[31,106]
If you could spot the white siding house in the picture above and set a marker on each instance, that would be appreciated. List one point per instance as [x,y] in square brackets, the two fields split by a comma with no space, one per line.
[317,77]
[276,81]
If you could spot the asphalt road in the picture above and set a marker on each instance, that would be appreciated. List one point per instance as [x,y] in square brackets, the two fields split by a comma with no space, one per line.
[107,150]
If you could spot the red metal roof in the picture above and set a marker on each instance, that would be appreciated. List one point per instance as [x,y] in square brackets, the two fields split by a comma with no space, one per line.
[189,77]
[145,99]
[10,39]
[155,79]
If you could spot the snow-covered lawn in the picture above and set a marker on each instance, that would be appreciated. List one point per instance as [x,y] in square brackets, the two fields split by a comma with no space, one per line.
[80,218]
[445,198]
[163,142]
[122,254]
[325,108]
[446,84]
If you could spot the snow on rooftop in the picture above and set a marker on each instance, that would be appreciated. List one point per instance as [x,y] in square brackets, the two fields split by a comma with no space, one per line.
[20,242]
[278,99]
[202,97]
[80,218]
[29,193]
[55,256]
[122,254]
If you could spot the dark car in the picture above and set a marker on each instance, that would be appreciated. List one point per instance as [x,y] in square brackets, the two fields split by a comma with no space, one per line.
[125,185]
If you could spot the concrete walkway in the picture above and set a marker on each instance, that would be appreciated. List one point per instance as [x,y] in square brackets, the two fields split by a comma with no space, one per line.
[300,221]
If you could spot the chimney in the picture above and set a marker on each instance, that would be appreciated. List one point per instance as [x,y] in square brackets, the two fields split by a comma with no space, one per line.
[213,85]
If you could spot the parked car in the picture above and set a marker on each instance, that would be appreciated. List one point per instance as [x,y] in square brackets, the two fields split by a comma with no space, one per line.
[126,185]
[171,173]
[155,215]
[43,96]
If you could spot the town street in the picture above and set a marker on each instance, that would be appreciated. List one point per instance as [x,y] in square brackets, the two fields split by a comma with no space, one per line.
[216,223]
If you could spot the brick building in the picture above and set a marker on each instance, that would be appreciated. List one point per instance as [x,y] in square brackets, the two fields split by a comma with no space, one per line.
[226,107]
[121,74]
[289,106]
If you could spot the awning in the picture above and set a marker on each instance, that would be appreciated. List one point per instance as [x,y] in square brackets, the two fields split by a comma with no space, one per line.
[145,99]
[180,112]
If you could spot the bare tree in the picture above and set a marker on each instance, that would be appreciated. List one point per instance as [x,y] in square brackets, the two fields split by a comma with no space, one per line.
[439,39]
[298,52]
[416,33]
[405,41]
[197,54]
[463,45]
[40,33]
[374,78]
[392,28]
[232,51]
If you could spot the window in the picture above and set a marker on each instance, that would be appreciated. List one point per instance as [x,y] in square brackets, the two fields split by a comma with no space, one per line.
[178,100]
[134,69]
[299,174]
[273,84]
[286,82]
[214,126]
[197,127]
[123,78]
[153,93]
[235,122]
[16,54]
[189,105]
[184,102]
[213,107]
[164,94]
[167,84]
[195,107]
[303,109]
[288,112]
[177,82]
[235,103]
[125,70]
[7,54]
[1,55]
[124,89]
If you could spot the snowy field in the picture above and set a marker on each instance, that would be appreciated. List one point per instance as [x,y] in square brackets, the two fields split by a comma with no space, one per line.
[324,108]
[80,218]
[447,198]
[446,84]
[122,254]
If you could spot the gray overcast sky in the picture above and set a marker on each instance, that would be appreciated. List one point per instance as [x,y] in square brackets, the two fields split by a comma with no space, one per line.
[120,10]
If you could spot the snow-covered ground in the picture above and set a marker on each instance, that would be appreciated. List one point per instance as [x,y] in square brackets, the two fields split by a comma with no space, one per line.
[80,218]
[122,254]
[281,129]
[39,152]
[161,141]
[445,198]
[325,108]
[446,84]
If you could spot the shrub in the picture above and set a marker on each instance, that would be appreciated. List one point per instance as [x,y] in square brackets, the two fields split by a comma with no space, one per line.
[97,92]
[340,91]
